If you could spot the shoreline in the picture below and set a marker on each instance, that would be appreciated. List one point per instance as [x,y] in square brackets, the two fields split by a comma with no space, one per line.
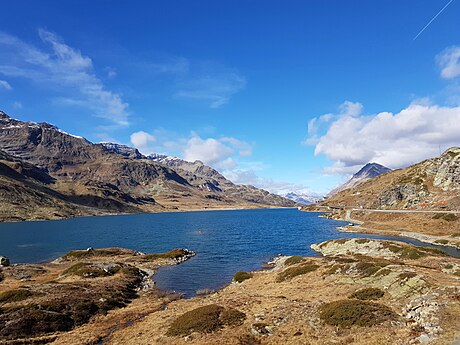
[153,212]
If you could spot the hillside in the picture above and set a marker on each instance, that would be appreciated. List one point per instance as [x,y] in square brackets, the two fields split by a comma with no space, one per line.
[79,177]
[431,185]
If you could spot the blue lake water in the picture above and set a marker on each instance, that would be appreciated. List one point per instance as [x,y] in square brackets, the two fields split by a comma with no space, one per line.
[225,241]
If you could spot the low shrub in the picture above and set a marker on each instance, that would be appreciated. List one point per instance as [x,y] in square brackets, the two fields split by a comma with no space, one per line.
[240,277]
[407,275]
[347,313]
[362,240]
[87,270]
[2,276]
[247,339]
[449,217]
[367,294]
[292,272]
[410,252]
[206,319]
[441,241]
[293,260]
[368,267]
[172,254]
[84,254]
[15,295]
[232,317]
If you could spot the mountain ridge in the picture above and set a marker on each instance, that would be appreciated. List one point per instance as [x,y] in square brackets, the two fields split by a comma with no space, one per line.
[113,178]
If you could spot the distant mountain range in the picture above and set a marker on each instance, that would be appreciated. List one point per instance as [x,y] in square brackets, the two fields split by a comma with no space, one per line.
[367,172]
[46,173]
[303,199]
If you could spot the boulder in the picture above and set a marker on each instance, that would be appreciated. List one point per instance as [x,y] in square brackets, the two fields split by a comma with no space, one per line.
[4,261]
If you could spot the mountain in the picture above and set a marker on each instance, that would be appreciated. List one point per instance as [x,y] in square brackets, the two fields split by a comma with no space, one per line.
[303,199]
[369,171]
[77,177]
[431,184]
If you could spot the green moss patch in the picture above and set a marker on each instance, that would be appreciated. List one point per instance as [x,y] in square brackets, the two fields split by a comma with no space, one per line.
[206,319]
[368,294]
[292,272]
[240,277]
[347,313]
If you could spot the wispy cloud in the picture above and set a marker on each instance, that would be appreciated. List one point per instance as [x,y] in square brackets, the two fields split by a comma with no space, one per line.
[5,85]
[449,62]
[62,67]
[214,85]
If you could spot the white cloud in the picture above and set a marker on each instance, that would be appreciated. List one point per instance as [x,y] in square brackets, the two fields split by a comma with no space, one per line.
[66,70]
[212,84]
[396,140]
[449,62]
[5,85]
[17,105]
[249,177]
[142,140]
[210,151]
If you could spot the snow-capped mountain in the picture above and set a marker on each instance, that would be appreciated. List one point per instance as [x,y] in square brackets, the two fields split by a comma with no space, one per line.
[304,199]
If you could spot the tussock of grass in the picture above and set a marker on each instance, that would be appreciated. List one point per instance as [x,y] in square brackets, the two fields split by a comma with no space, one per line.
[206,319]
[240,277]
[292,272]
[347,313]
[367,294]
[293,260]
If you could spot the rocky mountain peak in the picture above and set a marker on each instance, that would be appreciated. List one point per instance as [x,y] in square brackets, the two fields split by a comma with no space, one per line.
[371,170]
[123,150]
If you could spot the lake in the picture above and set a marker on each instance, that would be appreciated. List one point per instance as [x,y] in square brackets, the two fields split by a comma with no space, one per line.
[225,241]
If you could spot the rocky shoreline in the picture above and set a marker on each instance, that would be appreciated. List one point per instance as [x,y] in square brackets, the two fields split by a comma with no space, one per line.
[359,291]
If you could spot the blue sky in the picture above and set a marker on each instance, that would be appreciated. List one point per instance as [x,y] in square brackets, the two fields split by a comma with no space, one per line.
[285,95]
